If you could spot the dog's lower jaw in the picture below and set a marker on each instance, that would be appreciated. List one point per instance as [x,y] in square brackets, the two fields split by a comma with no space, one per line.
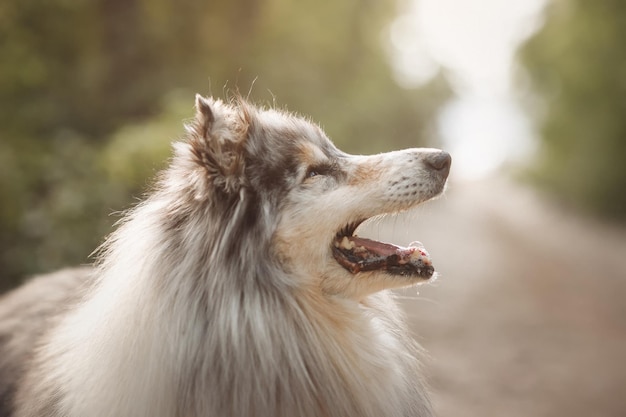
[356,255]
[336,281]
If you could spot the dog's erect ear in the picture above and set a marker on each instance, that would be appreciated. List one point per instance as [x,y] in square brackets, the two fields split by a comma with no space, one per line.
[204,114]
[217,138]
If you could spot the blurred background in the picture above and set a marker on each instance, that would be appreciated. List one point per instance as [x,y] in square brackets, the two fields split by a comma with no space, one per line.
[527,316]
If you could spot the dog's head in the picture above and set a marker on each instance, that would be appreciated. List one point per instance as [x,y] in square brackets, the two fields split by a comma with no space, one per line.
[283,196]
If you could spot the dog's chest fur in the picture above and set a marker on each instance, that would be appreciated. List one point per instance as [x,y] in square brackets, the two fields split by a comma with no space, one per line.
[311,358]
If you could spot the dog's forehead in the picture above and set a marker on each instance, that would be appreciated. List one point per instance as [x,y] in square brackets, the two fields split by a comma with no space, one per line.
[312,153]
[305,136]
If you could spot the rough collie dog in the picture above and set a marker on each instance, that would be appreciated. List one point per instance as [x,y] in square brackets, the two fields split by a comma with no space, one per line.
[239,287]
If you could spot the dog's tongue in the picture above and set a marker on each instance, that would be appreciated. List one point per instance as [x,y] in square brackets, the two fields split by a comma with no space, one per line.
[359,254]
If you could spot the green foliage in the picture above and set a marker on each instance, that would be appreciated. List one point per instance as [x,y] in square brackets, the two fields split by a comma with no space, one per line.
[135,151]
[578,64]
[93,91]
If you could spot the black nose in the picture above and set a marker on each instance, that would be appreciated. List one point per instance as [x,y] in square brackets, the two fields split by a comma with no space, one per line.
[439,161]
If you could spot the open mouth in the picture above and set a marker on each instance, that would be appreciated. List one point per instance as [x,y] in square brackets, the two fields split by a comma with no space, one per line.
[359,255]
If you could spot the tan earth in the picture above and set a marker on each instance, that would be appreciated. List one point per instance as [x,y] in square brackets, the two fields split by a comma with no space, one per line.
[528,314]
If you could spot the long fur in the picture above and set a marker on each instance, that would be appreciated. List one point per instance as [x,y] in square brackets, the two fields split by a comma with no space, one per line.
[218,295]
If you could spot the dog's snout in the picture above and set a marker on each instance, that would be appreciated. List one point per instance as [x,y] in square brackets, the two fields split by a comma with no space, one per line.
[439,161]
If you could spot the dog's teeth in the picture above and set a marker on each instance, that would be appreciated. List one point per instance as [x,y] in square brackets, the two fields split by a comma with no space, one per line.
[419,252]
[346,243]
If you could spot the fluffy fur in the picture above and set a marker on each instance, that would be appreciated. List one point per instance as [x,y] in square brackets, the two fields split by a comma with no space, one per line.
[219,294]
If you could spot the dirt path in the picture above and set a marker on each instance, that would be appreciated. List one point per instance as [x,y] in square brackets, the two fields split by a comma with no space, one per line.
[528,317]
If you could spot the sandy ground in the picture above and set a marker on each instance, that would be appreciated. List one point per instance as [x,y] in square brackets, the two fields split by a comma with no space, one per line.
[528,315]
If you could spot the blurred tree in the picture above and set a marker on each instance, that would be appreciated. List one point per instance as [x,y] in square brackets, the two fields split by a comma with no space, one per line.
[90,96]
[577,64]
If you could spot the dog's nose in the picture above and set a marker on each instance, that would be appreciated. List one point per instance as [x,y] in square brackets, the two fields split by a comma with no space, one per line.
[439,161]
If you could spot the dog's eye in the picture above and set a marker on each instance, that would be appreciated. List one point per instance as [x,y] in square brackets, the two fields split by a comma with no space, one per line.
[312,173]
[318,170]
[315,171]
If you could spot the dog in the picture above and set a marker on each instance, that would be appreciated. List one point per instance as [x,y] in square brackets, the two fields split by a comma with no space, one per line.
[238,287]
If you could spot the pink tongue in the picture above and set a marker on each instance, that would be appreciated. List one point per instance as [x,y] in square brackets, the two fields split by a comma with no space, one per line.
[359,254]
[365,248]
[380,248]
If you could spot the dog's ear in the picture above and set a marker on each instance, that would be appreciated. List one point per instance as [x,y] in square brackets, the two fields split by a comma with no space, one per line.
[217,139]
[204,114]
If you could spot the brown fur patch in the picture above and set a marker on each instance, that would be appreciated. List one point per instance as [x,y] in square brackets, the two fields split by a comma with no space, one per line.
[310,155]
[365,174]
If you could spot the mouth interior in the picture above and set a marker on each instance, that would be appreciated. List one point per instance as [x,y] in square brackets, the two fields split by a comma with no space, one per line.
[358,254]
